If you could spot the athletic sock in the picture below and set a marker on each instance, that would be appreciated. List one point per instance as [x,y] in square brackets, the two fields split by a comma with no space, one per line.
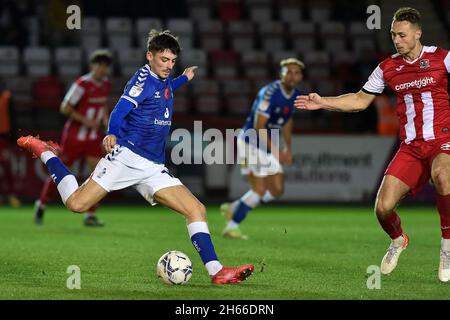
[65,181]
[201,239]
[443,206]
[247,202]
[267,197]
[445,244]
[392,225]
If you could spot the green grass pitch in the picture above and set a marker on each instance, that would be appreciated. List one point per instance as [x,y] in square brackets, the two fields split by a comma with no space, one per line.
[302,252]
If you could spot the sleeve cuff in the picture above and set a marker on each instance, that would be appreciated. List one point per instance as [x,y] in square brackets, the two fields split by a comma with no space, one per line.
[368,92]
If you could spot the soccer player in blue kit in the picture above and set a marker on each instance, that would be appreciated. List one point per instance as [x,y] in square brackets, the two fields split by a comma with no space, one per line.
[260,160]
[135,143]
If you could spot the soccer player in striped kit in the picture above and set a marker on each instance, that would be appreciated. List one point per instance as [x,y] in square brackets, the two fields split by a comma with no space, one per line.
[87,112]
[418,75]
[137,133]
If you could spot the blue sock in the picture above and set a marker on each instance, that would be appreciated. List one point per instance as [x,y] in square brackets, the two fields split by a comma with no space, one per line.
[241,212]
[64,179]
[57,169]
[201,239]
[247,202]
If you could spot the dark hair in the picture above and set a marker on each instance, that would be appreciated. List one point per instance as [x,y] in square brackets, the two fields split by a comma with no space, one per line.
[101,56]
[159,41]
[408,14]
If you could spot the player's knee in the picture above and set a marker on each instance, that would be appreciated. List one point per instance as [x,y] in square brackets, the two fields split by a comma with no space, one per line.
[277,191]
[260,190]
[197,212]
[441,180]
[76,206]
[384,207]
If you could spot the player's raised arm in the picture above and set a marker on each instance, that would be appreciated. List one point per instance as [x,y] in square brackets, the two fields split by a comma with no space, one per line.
[190,72]
[350,102]
[187,75]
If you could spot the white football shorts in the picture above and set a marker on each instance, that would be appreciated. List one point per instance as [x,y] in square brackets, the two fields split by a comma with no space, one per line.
[257,161]
[123,168]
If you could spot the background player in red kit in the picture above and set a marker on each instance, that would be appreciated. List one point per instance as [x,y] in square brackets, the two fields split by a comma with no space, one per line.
[85,106]
[419,77]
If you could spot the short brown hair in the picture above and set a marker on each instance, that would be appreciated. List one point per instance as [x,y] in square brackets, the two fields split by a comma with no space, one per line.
[159,41]
[101,56]
[408,14]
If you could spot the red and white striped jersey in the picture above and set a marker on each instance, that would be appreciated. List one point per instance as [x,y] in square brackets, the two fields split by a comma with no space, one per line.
[421,89]
[88,97]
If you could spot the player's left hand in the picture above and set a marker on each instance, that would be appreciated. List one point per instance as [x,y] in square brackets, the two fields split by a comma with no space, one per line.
[189,72]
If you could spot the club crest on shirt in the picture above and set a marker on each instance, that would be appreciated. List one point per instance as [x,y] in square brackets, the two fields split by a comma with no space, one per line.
[135,91]
[424,63]
[166,93]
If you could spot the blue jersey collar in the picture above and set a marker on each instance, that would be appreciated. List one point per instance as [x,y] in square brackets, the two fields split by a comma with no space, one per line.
[154,75]
[285,94]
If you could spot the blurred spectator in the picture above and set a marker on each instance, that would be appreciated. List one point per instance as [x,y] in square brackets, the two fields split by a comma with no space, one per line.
[387,116]
[7,140]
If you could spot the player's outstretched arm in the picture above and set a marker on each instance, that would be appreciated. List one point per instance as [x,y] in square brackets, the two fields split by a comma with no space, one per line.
[187,75]
[190,72]
[350,102]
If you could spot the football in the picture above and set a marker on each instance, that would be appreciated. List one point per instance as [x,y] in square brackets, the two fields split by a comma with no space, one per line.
[174,267]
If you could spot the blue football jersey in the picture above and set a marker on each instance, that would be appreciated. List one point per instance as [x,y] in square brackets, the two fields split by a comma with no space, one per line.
[145,128]
[271,102]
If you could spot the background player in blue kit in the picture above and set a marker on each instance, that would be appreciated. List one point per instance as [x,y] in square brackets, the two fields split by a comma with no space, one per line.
[138,128]
[259,158]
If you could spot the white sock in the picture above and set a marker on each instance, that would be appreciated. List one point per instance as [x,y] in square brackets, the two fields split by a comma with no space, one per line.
[47,155]
[267,197]
[213,267]
[445,244]
[89,214]
[232,225]
[251,199]
[38,204]
[398,241]
[67,186]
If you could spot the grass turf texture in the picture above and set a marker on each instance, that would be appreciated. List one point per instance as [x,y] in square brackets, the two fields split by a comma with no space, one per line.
[298,253]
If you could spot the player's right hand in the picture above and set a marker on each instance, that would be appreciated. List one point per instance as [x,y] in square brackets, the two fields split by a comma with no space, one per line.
[312,101]
[109,142]
[190,72]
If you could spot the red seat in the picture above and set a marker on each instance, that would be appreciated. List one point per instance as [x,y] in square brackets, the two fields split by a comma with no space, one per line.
[229,10]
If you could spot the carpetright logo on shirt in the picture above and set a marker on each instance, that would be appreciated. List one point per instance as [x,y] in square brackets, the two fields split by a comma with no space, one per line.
[419,83]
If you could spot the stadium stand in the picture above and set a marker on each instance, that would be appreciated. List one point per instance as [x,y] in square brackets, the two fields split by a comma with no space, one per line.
[240,41]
